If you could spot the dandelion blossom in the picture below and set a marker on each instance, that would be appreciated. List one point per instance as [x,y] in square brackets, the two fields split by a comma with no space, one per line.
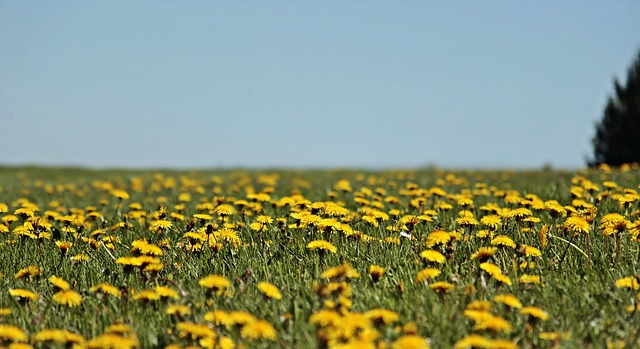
[339,272]
[259,329]
[577,225]
[503,240]
[438,237]
[269,290]
[529,279]
[530,251]
[427,274]
[535,312]
[484,253]
[23,295]
[215,283]
[105,288]
[321,245]
[628,282]
[410,342]
[433,256]
[508,299]
[490,268]
[442,286]
[59,283]
[178,310]
[376,272]
[493,323]
[383,316]
[12,334]
[68,298]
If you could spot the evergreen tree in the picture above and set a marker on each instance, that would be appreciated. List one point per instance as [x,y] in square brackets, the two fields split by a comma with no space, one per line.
[617,138]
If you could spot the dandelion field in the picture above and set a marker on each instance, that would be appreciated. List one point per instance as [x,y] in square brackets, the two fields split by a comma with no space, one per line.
[319,259]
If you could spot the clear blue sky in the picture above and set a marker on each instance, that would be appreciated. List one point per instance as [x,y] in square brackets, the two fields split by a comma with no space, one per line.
[309,83]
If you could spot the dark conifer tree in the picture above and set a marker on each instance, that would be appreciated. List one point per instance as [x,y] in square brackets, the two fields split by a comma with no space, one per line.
[617,138]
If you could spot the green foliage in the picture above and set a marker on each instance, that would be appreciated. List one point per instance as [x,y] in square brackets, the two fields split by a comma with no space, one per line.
[578,273]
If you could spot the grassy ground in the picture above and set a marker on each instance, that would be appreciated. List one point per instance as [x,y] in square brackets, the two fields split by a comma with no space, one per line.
[493,259]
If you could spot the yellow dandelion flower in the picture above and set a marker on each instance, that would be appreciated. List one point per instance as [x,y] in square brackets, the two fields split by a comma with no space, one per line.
[478,305]
[24,212]
[160,224]
[145,248]
[333,209]
[442,286]
[465,202]
[146,295]
[64,246]
[194,330]
[529,251]
[343,185]
[257,330]
[529,279]
[60,337]
[5,311]
[264,219]
[438,237]
[81,257]
[628,282]
[105,288]
[493,323]
[325,317]
[484,253]
[219,318]
[29,272]
[427,274]
[166,292]
[11,333]
[120,194]
[376,272]
[215,283]
[502,278]
[239,317]
[410,342]
[612,223]
[269,290]
[473,341]
[535,312]
[382,316]
[59,283]
[23,295]
[503,240]
[519,213]
[577,224]
[109,340]
[140,261]
[339,272]
[321,245]
[508,299]
[258,227]
[68,298]
[492,222]
[477,315]
[433,256]
[490,268]
[224,210]
[178,309]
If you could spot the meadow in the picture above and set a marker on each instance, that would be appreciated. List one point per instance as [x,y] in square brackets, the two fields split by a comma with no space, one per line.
[319,259]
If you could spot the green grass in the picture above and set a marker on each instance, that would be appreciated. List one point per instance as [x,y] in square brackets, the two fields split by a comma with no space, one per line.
[578,288]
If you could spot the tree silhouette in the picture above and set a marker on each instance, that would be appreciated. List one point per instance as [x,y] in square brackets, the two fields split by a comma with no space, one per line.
[617,138]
